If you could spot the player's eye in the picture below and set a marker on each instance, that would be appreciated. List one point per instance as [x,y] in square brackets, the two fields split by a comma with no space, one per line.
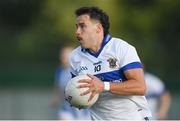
[82,25]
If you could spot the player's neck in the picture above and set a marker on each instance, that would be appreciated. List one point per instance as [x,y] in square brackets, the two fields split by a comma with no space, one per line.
[97,46]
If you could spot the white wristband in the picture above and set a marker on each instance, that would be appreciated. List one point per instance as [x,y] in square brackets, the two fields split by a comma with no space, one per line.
[106,86]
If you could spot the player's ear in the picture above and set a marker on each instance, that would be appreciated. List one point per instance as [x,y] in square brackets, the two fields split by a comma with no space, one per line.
[99,28]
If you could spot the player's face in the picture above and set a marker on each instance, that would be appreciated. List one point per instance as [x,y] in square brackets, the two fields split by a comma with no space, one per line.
[86,31]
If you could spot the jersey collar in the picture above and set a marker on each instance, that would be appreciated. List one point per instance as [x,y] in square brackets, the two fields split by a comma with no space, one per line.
[106,39]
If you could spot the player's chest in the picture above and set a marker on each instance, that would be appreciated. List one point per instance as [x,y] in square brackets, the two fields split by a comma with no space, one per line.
[96,65]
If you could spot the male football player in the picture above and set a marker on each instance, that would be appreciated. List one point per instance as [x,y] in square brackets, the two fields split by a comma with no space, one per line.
[114,68]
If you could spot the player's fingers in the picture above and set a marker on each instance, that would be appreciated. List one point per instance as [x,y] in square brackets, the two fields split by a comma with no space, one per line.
[91,76]
[85,92]
[85,81]
[91,97]
[84,85]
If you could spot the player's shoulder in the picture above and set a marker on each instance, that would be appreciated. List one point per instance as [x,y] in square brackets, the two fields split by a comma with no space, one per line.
[121,43]
[149,77]
[75,53]
[76,50]
[152,76]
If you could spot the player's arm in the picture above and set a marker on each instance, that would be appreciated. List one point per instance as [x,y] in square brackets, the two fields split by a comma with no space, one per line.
[135,84]
[133,71]
[165,101]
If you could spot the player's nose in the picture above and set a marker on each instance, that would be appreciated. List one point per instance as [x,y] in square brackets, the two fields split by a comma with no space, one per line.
[77,32]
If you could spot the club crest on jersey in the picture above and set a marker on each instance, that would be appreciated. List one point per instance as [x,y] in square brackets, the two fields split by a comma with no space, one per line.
[112,62]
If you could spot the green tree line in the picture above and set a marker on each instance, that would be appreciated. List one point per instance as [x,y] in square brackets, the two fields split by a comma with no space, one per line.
[32,32]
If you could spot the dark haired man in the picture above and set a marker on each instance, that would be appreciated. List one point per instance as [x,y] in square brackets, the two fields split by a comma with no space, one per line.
[114,68]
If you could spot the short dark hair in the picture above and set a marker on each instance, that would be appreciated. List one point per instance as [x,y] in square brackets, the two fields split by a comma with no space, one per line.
[97,14]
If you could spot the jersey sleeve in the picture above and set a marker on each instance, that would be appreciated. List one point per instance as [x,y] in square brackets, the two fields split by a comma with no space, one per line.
[72,72]
[72,69]
[128,57]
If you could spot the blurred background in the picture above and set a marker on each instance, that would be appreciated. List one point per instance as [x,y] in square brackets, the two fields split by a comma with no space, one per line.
[33,31]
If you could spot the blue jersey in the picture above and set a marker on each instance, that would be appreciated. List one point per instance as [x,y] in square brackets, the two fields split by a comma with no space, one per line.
[62,76]
[109,64]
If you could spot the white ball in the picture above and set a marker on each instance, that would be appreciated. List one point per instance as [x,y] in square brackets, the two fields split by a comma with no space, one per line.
[72,93]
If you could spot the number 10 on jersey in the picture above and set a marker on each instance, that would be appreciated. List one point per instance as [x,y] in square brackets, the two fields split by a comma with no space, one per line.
[97,68]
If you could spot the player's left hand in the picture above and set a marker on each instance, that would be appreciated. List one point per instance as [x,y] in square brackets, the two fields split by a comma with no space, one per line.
[94,84]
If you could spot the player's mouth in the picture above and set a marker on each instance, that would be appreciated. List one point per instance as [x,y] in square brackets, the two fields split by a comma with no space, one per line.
[80,39]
